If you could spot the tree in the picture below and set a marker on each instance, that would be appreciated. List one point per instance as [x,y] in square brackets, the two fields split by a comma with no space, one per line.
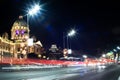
[5,35]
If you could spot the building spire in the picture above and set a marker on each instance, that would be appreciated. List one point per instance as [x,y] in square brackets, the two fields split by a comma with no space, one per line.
[20,17]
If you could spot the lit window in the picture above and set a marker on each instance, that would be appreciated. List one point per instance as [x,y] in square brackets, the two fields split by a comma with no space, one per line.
[22,27]
[22,32]
[17,32]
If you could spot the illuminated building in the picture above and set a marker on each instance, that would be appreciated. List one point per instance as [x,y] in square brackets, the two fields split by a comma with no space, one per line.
[20,44]
[111,55]
[54,52]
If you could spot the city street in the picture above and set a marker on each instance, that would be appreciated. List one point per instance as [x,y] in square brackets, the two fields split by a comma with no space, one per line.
[77,73]
[59,40]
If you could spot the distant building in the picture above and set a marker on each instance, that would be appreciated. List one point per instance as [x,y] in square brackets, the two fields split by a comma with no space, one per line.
[55,52]
[53,48]
[20,44]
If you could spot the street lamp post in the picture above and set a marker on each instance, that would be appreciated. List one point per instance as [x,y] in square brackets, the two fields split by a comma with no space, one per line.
[70,34]
[63,40]
[31,12]
[67,44]
[118,49]
[28,23]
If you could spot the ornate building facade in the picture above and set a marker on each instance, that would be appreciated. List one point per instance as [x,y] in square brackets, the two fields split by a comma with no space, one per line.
[20,44]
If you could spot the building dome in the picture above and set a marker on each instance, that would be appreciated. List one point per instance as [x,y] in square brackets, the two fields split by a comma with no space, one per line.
[20,22]
[19,29]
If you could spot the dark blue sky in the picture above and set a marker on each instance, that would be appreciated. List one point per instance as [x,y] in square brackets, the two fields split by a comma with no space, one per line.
[97,23]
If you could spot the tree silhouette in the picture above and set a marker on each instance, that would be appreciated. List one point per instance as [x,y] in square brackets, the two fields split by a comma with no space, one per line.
[5,35]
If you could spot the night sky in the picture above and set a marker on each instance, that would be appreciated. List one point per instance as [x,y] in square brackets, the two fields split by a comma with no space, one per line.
[97,23]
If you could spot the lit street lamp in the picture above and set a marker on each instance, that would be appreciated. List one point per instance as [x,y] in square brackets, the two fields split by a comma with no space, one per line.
[103,55]
[69,51]
[33,11]
[70,34]
[39,55]
[114,50]
[118,47]
[85,56]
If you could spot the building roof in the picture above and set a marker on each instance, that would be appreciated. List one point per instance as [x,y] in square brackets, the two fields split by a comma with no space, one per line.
[39,43]
[21,22]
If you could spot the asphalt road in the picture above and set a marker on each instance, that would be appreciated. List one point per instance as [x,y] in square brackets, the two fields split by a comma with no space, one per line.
[110,73]
[77,73]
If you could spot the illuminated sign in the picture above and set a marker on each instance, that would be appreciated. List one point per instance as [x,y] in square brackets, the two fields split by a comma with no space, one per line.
[30,42]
